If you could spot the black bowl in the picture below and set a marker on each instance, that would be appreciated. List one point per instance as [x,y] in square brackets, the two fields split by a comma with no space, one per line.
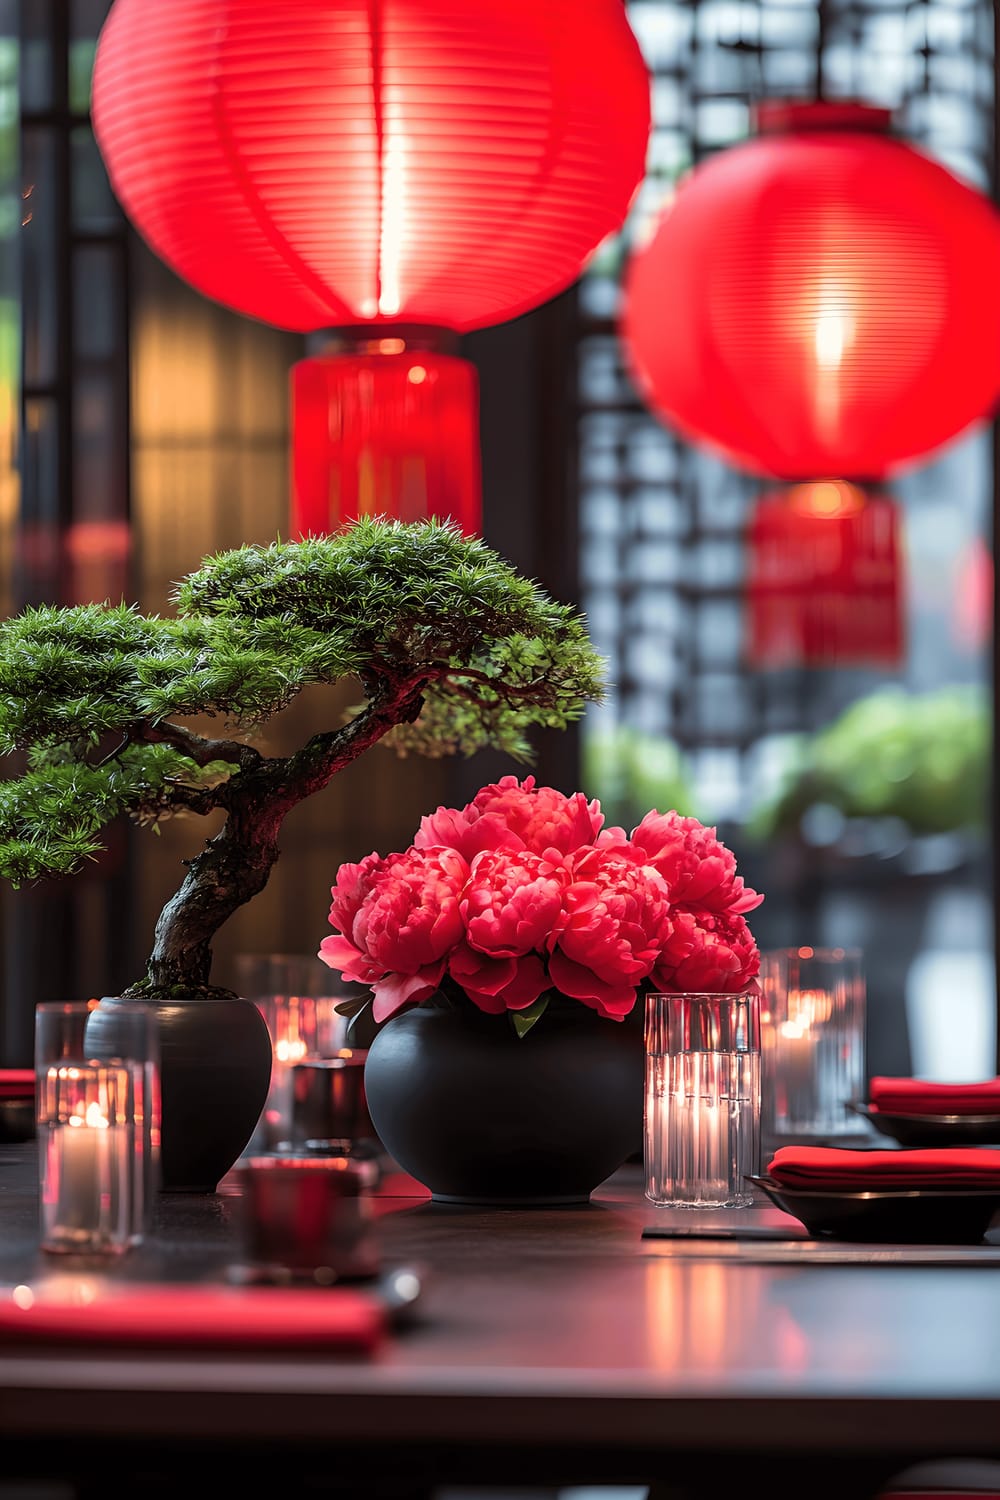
[931,1216]
[933,1130]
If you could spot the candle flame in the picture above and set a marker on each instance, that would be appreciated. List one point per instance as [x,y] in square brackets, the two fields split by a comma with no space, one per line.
[90,1116]
[290,1049]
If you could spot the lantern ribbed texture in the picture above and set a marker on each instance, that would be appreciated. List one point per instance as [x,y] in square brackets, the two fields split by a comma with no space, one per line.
[321,163]
[821,300]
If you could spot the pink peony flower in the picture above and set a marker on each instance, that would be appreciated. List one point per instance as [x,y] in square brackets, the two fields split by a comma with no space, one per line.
[514,814]
[509,905]
[511,901]
[707,952]
[499,984]
[610,932]
[403,929]
[698,868]
[354,884]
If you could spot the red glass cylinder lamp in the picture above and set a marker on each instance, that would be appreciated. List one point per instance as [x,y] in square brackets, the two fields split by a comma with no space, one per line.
[379,164]
[826,579]
[386,427]
[820,300]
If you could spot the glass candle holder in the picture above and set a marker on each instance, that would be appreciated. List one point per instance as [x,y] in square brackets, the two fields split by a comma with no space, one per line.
[86,1157]
[329,1108]
[292,992]
[307,1218]
[133,1039]
[125,1036]
[703,1093]
[813,1038]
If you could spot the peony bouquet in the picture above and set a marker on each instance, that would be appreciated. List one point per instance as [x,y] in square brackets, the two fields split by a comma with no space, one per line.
[524,893]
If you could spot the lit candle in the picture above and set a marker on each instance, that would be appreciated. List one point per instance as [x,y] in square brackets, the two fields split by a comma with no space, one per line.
[798,1058]
[291,1023]
[794,1073]
[86,1161]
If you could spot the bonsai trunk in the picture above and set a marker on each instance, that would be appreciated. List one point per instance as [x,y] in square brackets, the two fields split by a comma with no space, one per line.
[235,865]
[232,869]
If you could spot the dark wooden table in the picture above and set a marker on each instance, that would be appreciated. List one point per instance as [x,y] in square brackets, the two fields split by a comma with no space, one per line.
[551,1347]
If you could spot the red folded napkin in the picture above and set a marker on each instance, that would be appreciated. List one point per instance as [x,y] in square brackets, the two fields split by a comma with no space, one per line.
[17,1083]
[922,1096]
[838,1168]
[327,1319]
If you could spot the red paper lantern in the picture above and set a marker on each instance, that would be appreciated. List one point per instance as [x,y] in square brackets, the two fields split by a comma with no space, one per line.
[825,583]
[820,301]
[337,164]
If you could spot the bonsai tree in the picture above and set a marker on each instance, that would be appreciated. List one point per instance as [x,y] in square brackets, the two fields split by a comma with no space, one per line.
[451,650]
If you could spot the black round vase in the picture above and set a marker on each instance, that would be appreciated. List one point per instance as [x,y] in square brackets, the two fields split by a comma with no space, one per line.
[480,1115]
[215,1071]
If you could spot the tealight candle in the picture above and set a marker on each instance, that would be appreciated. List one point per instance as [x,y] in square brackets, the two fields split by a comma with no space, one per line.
[813,1022]
[85,1159]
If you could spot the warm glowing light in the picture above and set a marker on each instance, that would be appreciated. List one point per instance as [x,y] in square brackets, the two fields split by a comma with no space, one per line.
[834,330]
[416,375]
[808,1008]
[392,238]
[290,1049]
[826,498]
[689,1315]
[92,1117]
[23,1296]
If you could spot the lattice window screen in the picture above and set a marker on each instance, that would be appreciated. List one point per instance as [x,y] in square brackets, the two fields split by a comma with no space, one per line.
[661,525]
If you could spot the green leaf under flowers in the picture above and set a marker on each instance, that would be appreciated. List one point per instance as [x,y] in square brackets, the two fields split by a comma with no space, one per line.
[352,1007]
[525,1019]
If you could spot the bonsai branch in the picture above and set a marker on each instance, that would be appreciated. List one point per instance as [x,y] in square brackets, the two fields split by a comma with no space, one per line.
[312,767]
[195,746]
[505,692]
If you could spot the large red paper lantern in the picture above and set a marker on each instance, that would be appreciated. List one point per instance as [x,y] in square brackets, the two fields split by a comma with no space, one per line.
[826,579]
[364,164]
[820,301]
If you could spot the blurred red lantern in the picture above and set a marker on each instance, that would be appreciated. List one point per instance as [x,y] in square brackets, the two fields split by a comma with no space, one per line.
[825,585]
[821,301]
[363,164]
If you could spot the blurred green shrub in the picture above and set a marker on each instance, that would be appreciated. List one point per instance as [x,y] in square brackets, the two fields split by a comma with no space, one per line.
[631,773]
[921,757]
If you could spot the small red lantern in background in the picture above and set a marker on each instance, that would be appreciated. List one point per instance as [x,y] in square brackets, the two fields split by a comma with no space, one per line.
[825,579]
[382,169]
[821,300]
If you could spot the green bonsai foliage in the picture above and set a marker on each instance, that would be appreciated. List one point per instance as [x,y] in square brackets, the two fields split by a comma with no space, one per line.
[452,650]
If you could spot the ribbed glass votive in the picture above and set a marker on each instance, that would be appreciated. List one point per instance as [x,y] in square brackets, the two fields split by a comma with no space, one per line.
[703,1093]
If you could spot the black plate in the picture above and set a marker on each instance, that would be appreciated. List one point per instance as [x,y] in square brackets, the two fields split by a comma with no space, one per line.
[933,1130]
[945,1216]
